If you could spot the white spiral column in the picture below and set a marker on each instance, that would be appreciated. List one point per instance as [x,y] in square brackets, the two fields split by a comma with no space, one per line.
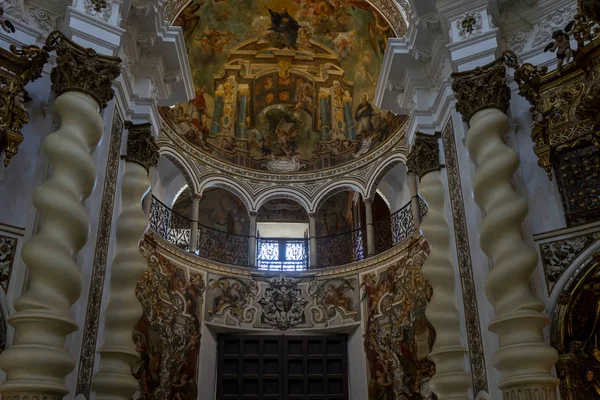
[450,380]
[37,362]
[114,379]
[524,358]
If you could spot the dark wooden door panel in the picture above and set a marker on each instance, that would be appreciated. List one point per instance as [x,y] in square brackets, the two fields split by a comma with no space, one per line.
[282,368]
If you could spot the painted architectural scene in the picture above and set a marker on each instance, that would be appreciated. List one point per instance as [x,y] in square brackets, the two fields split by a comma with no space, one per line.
[398,336]
[284,85]
[167,337]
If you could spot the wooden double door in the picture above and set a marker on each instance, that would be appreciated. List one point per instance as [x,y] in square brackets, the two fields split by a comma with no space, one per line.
[282,368]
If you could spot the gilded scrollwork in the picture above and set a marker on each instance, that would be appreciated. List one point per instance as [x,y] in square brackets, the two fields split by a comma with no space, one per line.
[18,67]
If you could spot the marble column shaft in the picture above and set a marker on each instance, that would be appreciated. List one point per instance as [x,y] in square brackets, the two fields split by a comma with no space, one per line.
[252,240]
[524,358]
[370,231]
[312,231]
[195,215]
[37,362]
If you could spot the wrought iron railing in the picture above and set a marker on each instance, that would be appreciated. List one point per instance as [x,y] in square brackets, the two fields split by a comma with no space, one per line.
[223,247]
[394,229]
[282,254]
[341,249]
[171,226]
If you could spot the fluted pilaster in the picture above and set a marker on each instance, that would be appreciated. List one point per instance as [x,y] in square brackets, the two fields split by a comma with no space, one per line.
[37,361]
[118,352]
[450,380]
[524,358]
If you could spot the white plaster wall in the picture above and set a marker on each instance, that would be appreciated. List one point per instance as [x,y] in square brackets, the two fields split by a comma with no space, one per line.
[167,181]
[17,180]
[207,368]
[357,365]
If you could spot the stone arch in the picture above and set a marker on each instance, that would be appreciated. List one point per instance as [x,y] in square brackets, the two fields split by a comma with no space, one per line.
[282,193]
[231,187]
[382,170]
[183,166]
[331,190]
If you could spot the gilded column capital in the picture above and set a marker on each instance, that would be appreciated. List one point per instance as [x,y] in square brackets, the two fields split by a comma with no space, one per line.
[83,70]
[141,146]
[481,88]
[424,155]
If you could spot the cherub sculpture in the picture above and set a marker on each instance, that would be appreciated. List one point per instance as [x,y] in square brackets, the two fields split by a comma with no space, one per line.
[19,102]
[562,45]
[5,23]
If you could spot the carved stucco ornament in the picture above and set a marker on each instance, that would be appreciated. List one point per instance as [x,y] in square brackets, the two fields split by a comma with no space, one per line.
[83,70]
[283,304]
[481,88]
[424,156]
[141,146]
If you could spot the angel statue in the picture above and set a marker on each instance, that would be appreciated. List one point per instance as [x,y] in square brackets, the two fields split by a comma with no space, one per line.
[562,45]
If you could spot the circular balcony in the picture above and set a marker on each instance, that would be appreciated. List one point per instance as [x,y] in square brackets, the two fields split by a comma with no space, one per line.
[251,252]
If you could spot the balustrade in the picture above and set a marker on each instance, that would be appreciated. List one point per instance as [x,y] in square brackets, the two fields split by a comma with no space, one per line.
[277,254]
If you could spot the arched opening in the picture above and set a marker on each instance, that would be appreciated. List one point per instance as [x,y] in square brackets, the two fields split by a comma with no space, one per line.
[170,184]
[576,331]
[340,228]
[282,227]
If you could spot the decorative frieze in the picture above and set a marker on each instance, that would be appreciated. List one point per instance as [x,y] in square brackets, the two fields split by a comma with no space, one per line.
[424,156]
[92,315]
[557,256]
[141,146]
[465,265]
[481,88]
[83,70]
[8,247]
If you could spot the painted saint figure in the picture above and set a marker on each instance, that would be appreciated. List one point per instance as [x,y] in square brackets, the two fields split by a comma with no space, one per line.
[363,115]
[286,25]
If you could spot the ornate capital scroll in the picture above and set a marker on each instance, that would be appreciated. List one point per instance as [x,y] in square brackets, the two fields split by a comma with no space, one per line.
[424,156]
[83,70]
[141,146]
[481,88]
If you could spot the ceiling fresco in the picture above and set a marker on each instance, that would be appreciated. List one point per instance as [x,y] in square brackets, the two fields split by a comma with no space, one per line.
[283,85]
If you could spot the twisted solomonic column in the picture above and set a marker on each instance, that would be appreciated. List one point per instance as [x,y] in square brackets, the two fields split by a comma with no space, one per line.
[118,352]
[450,380]
[37,362]
[524,358]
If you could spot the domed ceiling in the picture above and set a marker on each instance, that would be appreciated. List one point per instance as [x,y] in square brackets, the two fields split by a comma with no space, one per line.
[284,85]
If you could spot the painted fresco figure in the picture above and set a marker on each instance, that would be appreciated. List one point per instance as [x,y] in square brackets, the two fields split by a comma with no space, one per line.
[363,115]
[286,25]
